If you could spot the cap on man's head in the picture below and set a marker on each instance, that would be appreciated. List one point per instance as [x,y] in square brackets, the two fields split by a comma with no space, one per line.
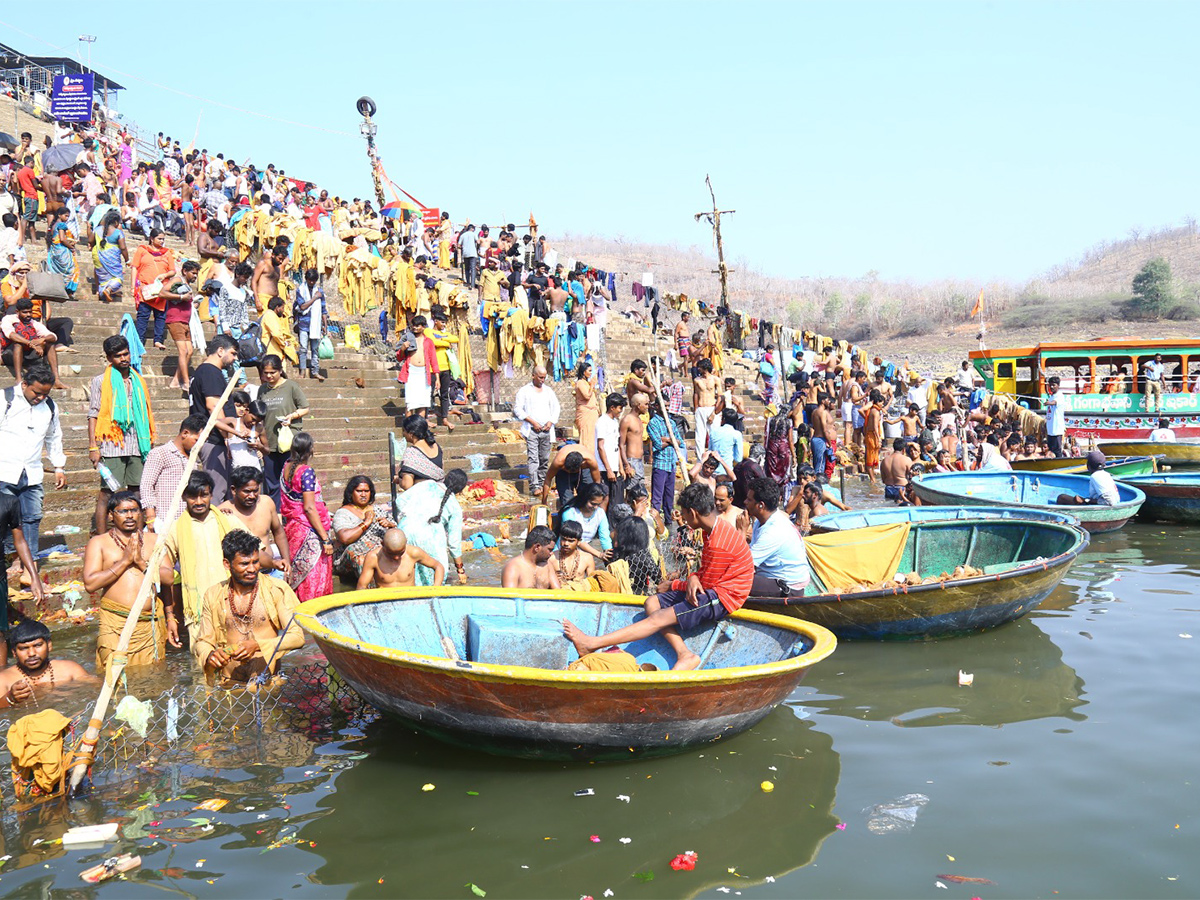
[1096,460]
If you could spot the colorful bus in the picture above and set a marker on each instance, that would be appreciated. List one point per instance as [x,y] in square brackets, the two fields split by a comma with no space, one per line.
[1104,383]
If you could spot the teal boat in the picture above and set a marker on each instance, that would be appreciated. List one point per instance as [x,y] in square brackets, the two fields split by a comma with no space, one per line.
[885,515]
[1170,496]
[1077,465]
[1027,490]
[1019,562]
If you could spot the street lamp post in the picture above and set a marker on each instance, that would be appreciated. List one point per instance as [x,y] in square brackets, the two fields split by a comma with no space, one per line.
[88,39]
[368,129]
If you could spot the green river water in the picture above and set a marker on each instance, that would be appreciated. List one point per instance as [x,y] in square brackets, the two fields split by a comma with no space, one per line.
[1068,769]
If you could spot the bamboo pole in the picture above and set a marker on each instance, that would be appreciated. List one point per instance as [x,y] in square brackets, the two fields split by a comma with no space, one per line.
[658,398]
[116,665]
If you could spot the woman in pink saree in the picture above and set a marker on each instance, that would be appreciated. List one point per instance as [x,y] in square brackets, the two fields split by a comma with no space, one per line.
[307,523]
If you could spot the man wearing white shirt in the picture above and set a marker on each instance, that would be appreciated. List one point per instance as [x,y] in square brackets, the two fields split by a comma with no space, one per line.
[608,441]
[1102,487]
[28,425]
[965,378]
[1154,383]
[780,561]
[1056,417]
[536,407]
[1163,434]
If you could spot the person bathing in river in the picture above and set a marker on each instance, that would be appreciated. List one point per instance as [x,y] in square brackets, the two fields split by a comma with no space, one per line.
[532,569]
[249,508]
[35,673]
[571,564]
[718,588]
[394,563]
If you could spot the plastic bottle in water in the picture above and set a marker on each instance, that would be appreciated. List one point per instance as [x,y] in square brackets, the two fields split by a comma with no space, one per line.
[108,477]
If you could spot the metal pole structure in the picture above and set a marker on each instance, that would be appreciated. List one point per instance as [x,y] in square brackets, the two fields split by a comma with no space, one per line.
[366,108]
[714,219]
[88,39]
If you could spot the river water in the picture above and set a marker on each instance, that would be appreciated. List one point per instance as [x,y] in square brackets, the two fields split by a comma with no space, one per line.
[1068,769]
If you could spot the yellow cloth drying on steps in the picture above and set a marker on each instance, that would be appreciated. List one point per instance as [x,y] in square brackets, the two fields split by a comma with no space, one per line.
[842,559]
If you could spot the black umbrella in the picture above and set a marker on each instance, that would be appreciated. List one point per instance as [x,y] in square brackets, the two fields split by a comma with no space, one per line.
[7,141]
[60,157]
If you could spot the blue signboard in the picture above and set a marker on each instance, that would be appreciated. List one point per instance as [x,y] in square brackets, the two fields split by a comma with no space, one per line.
[72,100]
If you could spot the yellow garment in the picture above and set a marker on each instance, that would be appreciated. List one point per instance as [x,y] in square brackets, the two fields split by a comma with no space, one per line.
[842,559]
[404,300]
[443,254]
[618,661]
[619,570]
[353,337]
[512,336]
[506,436]
[196,546]
[279,602]
[276,338]
[36,744]
[442,342]
[356,281]
[147,646]
[465,362]
[489,283]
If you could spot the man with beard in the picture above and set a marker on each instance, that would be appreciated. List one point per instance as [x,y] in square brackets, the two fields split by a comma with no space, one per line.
[247,621]
[115,563]
[249,509]
[35,673]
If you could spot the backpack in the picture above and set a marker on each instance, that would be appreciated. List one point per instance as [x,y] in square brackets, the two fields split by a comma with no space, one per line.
[250,345]
[11,392]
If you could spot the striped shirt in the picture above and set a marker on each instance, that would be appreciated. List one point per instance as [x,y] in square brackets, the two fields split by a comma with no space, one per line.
[726,566]
[161,475]
[675,398]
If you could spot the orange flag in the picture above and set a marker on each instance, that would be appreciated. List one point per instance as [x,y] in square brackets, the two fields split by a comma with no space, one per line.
[978,305]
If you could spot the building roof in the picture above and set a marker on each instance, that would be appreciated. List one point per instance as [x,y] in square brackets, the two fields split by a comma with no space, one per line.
[11,58]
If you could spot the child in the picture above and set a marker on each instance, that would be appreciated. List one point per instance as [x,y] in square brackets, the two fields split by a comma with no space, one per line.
[573,566]
[247,444]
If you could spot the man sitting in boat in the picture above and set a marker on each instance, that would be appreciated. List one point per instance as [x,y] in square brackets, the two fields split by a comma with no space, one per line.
[531,568]
[246,622]
[572,565]
[1102,489]
[718,588]
[394,563]
[1163,434]
[35,673]
[780,560]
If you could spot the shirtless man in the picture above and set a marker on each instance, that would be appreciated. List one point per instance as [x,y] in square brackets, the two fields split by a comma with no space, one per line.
[394,563]
[683,338]
[569,471]
[729,398]
[532,569]
[34,673]
[638,382]
[850,396]
[557,297]
[704,400]
[705,471]
[632,441]
[894,471]
[572,565]
[734,515]
[114,563]
[256,513]
[824,433]
[264,284]
[910,423]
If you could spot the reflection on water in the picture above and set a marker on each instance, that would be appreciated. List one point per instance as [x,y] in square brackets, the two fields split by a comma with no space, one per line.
[1019,674]
[517,828]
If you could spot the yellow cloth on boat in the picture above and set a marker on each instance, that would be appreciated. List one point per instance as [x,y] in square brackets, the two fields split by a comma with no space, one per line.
[619,661]
[618,569]
[842,559]
[36,744]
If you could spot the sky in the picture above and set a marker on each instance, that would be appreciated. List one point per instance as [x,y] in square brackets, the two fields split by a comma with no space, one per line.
[920,141]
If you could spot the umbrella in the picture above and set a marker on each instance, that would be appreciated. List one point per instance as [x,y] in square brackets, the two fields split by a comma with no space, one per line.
[7,141]
[60,157]
[396,210]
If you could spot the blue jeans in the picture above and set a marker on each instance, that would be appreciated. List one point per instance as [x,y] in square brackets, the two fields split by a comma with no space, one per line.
[309,356]
[820,449]
[470,270]
[29,496]
[144,311]
[662,490]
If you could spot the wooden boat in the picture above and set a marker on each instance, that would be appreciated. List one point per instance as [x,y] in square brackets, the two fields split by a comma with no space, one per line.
[1077,465]
[1102,383]
[1171,453]
[1170,496]
[864,518]
[486,668]
[1027,490]
[1022,562]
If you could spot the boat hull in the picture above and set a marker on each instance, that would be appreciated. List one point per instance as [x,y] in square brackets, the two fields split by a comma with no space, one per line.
[1170,497]
[1171,453]
[863,518]
[1034,490]
[554,714]
[1128,465]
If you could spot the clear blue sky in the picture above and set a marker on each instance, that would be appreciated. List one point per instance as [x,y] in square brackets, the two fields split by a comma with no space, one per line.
[921,140]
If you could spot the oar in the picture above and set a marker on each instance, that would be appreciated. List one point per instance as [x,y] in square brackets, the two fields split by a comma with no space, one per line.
[116,662]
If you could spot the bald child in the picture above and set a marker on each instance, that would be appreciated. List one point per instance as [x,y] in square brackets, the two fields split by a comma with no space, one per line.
[394,563]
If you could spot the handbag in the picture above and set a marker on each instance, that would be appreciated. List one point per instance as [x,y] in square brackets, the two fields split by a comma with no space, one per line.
[47,286]
[325,348]
[285,438]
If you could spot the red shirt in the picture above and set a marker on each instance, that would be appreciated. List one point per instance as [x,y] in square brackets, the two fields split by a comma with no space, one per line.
[726,566]
[28,183]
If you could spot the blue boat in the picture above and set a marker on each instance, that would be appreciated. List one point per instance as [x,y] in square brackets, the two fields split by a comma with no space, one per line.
[1170,496]
[1028,490]
[486,668]
[886,515]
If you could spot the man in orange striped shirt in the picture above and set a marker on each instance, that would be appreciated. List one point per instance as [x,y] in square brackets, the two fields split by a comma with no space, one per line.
[719,587]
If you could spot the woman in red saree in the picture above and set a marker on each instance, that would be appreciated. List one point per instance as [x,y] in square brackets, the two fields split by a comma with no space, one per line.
[307,523]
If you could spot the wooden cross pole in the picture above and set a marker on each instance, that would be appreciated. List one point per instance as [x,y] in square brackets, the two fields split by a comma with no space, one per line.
[714,219]
[116,662]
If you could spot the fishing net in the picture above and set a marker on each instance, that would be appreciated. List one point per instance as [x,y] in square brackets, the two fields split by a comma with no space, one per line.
[280,722]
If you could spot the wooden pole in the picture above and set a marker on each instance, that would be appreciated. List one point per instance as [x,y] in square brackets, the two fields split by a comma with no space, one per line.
[714,219]
[657,398]
[116,664]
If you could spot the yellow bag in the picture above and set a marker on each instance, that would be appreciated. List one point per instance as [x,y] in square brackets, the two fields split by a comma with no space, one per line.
[353,337]
[285,438]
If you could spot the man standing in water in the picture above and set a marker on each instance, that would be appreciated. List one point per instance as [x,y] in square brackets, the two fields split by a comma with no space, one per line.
[394,563]
[532,569]
[247,621]
[34,672]
[247,508]
[719,587]
[114,563]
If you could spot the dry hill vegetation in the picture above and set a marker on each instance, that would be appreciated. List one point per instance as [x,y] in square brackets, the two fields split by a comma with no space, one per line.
[1094,290]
